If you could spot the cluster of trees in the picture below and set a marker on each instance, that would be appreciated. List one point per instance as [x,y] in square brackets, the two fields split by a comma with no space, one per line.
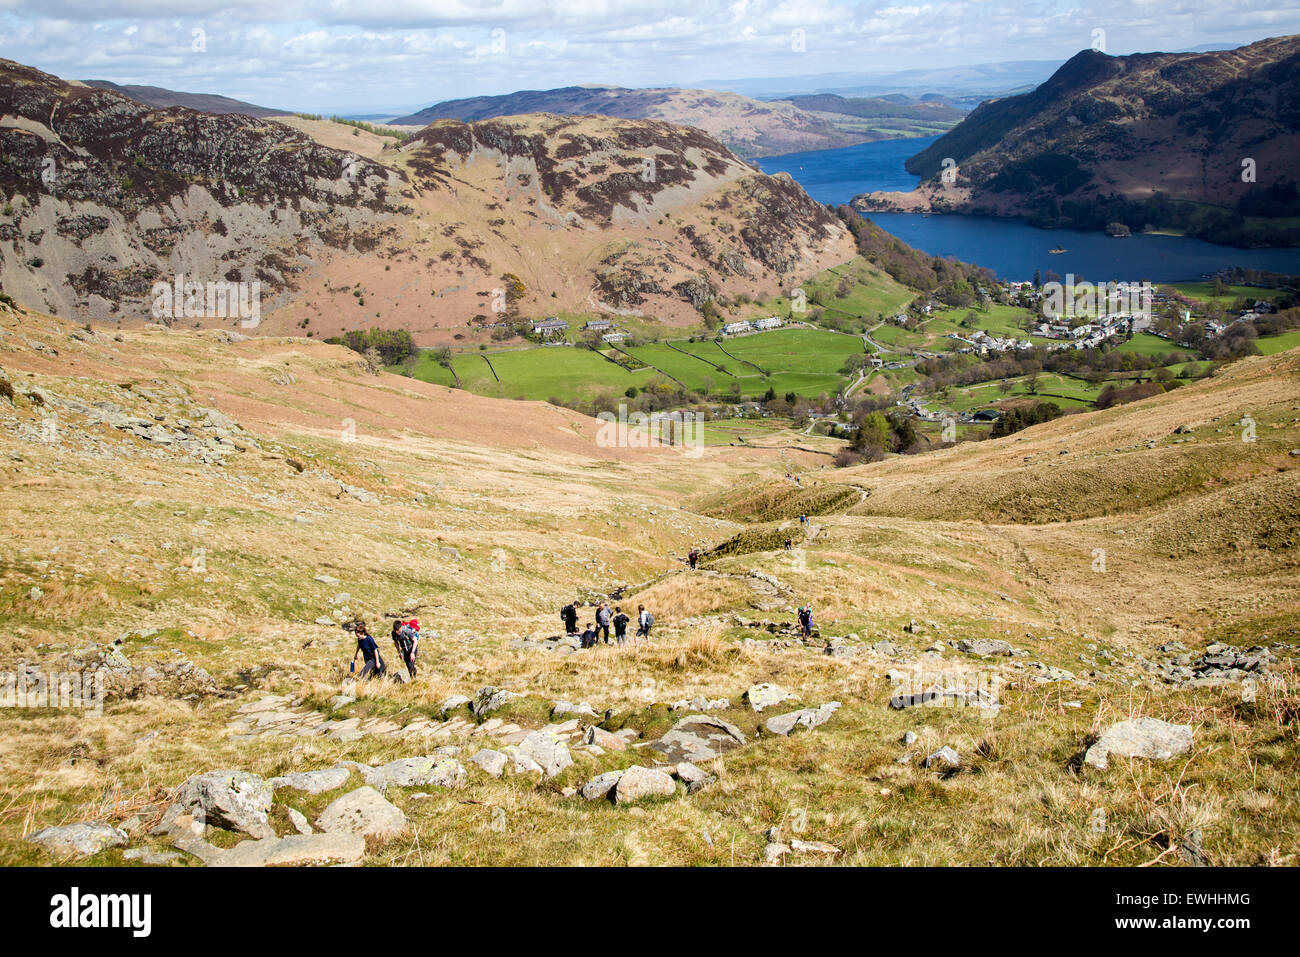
[1091,365]
[1115,395]
[1022,417]
[390,346]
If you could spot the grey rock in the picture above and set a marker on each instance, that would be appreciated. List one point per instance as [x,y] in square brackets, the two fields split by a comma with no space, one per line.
[699,737]
[600,786]
[762,696]
[299,821]
[985,646]
[313,782]
[296,850]
[784,724]
[945,756]
[637,783]
[1148,738]
[150,856]
[489,699]
[229,799]
[695,779]
[79,840]
[364,812]
[550,753]
[493,762]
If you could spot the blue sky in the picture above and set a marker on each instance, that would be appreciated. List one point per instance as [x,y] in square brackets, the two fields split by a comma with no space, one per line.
[378,55]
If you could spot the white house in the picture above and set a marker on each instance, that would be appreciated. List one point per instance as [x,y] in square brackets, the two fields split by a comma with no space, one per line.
[736,328]
[771,322]
[549,326]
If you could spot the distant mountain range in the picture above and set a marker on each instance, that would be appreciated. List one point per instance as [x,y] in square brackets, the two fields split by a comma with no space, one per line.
[748,127]
[160,99]
[1203,143]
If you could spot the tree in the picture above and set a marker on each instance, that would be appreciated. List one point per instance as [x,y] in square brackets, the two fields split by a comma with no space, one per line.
[1032,383]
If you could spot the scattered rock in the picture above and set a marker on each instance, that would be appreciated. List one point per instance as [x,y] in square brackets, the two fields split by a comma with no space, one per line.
[639,782]
[364,812]
[550,753]
[699,737]
[765,695]
[493,762]
[79,840]
[1140,738]
[313,782]
[600,786]
[984,646]
[784,724]
[945,756]
[299,821]
[233,800]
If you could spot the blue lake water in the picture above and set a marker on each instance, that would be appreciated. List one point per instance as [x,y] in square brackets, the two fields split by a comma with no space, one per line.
[1010,248]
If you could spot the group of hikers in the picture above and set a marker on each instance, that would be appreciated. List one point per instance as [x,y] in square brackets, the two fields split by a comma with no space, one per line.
[605,616]
[406,639]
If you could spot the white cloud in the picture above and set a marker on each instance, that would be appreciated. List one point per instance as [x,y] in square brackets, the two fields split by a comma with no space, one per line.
[348,55]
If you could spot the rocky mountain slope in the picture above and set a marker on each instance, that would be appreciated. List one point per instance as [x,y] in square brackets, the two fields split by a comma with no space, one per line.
[160,99]
[196,514]
[748,127]
[1127,139]
[105,197]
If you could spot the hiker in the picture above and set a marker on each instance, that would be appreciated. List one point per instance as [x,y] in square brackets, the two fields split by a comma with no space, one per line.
[789,544]
[406,637]
[603,615]
[693,558]
[369,650]
[569,613]
[620,626]
[644,622]
[805,620]
[588,638]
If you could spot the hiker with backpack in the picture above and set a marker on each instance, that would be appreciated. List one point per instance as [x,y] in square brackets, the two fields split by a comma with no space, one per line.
[805,620]
[369,651]
[588,637]
[693,558]
[645,621]
[620,626]
[603,616]
[406,637]
[569,614]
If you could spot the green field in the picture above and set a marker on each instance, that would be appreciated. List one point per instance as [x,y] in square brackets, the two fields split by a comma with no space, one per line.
[806,362]
[1271,345]
[1204,292]
[1066,391]
[1148,345]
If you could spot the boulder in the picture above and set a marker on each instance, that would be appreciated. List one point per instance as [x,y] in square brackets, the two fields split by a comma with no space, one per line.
[299,821]
[313,782]
[699,737]
[432,770]
[605,739]
[814,847]
[550,753]
[765,695]
[364,812]
[639,782]
[784,724]
[774,851]
[1148,738]
[79,840]
[489,699]
[600,786]
[984,646]
[695,779]
[233,800]
[945,756]
[296,850]
[493,762]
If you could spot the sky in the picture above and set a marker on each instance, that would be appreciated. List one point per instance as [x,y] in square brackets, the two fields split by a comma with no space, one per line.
[389,56]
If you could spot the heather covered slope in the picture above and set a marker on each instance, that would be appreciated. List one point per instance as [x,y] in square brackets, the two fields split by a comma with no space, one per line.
[570,214]
[207,503]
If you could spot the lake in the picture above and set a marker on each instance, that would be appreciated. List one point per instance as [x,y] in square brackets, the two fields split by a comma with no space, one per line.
[1011,248]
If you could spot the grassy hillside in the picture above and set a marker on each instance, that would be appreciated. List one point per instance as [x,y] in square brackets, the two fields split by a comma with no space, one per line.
[340,492]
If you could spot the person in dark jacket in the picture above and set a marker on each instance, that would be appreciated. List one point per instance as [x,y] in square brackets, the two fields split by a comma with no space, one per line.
[620,626]
[569,614]
[369,651]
